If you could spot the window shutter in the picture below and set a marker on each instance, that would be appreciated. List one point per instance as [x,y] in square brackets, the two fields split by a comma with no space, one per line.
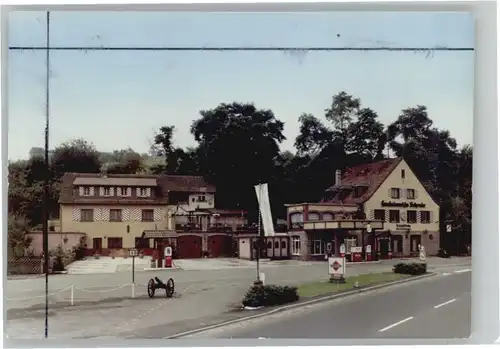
[416,194]
[148,192]
[91,191]
[129,192]
[80,191]
[390,193]
[372,214]
[138,192]
[419,217]
[112,191]
[431,217]
[101,191]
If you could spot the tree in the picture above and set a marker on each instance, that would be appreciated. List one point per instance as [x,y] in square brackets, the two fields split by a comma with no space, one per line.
[75,156]
[18,226]
[341,113]
[366,135]
[238,146]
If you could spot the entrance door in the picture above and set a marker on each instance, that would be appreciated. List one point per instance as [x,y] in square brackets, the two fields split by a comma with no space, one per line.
[415,241]
[397,245]
[97,245]
[384,247]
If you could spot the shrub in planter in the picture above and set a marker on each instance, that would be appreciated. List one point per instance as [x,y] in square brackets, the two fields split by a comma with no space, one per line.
[410,268]
[269,295]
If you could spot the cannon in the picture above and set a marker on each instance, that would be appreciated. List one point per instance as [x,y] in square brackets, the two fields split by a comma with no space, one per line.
[157,284]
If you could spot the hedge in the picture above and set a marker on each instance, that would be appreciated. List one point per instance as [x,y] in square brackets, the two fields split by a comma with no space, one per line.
[410,268]
[269,295]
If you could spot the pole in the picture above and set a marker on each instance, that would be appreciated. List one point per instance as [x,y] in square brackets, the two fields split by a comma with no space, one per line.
[133,269]
[45,208]
[259,243]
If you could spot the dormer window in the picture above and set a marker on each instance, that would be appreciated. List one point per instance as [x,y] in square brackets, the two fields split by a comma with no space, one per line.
[358,191]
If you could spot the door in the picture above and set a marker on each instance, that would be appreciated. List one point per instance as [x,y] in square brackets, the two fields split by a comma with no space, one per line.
[97,245]
[415,241]
[284,247]
[397,245]
[189,246]
[384,247]
[276,251]
[220,246]
[269,249]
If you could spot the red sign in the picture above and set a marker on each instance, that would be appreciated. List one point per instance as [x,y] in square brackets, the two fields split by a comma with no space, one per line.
[336,266]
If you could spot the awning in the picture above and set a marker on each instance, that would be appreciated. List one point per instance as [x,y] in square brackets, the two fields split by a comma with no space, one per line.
[158,234]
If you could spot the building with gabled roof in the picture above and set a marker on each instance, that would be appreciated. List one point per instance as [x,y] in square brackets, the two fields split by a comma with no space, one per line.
[386,196]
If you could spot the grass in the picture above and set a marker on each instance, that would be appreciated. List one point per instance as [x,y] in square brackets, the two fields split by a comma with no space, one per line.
[325,287]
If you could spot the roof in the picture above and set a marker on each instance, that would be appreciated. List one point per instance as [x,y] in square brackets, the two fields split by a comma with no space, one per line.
[113,181]
[370,176]
[161,186]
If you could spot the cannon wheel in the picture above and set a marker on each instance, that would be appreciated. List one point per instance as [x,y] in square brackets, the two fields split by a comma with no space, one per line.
[169,288]
[151,288]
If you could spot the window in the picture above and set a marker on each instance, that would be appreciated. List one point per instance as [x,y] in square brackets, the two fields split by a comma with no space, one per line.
[107,192]
[296,245]
[147,215]
[115,215]
[379,215]
[403,174]
[410,194]
[115,243]
[425,216]
[317,247]
[328,216]
[201,198]
[297,220]
[122,191]
[86,191]
[313,216]
[359,191]
[411,216]
[143,192]
[283,244]
[87,215]
[269,244]
[276,244]
[141,243]
[394,216]
[395,193]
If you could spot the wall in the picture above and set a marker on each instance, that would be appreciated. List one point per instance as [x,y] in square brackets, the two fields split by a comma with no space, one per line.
[395,180]
[244,248]
[55,239]
[104,228]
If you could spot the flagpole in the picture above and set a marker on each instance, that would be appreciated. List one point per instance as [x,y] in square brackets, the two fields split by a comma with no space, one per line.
[258,281]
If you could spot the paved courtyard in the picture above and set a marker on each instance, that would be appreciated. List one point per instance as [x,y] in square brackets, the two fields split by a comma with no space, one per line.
[103,306]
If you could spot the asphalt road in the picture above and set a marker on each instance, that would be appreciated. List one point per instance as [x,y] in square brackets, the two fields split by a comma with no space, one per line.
[436,308]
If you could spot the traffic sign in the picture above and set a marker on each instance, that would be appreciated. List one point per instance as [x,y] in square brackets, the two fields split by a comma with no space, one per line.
[336,266]
[448,228]
[133,252]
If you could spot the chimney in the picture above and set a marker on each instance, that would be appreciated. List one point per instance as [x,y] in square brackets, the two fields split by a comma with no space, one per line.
[338,177]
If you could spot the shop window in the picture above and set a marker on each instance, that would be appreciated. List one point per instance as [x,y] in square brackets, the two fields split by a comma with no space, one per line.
[317,247]
[296,245]
[115,243]
[141,243]
[394,216]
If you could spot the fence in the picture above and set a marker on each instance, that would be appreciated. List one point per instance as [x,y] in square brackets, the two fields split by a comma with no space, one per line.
[24,266]
[74,296]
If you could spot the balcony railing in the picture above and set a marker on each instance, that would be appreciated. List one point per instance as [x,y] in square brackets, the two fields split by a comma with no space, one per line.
[188,226]
[220,227]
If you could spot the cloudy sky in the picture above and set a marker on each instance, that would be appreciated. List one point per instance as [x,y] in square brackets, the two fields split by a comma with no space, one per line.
[118,99]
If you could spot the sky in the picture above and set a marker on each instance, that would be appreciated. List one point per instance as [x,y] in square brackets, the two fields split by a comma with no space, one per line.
[119,99]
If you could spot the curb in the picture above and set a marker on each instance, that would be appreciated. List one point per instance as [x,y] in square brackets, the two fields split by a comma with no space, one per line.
[298,305]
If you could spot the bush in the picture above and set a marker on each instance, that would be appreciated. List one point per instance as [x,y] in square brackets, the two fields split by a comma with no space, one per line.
[269,295]
[410,268]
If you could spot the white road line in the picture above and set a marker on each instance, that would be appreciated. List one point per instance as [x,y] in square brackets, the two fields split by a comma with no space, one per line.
[462,271]
[396,324]
[447,302]
[446,274]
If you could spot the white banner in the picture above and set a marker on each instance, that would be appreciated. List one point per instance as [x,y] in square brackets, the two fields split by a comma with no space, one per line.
[265,209]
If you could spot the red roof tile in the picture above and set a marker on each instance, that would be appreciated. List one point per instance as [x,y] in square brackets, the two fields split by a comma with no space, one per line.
[370,176]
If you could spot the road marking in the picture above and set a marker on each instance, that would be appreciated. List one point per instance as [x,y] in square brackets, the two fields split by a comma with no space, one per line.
[446,274]
[462,271]
[447,302]
[396,324]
